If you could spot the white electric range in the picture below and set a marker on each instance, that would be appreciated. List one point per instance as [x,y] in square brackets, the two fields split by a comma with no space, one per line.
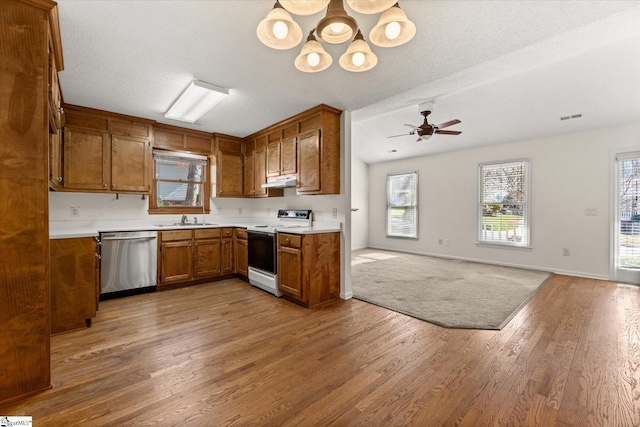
[262,243]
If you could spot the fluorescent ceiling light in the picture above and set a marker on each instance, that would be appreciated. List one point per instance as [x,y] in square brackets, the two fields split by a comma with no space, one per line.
[196,100]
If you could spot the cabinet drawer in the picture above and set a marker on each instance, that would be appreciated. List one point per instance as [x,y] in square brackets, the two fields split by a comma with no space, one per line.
[227,232]
[208,233]
[169,235]
[290,240]
[241,233]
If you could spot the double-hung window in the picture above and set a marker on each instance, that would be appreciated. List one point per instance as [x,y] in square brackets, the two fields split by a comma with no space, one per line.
[402,205]
[179,182]
[503,203]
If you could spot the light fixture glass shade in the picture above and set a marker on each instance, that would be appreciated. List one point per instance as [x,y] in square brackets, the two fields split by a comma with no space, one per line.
[426,136]
[271,31]
[387,27]
[196,100]
[358,56]
[304,7]
[313,57]
[329,28]
[370,6]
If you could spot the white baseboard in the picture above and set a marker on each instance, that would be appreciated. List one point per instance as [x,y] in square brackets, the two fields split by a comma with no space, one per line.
[506,264]
[347,295]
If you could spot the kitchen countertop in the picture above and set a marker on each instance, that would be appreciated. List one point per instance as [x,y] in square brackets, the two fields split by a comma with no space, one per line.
[76,229]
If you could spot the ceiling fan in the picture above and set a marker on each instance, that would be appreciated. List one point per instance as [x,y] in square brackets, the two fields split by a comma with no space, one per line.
[425,131]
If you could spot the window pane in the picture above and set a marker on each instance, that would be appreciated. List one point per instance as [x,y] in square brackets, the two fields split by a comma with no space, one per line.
[402,205]
[629,208]
[503,206]
[179,179]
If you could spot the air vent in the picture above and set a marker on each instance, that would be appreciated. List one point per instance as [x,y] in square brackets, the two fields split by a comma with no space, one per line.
[574,116]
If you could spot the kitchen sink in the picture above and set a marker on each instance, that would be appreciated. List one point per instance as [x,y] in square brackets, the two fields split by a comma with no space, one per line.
[177,224]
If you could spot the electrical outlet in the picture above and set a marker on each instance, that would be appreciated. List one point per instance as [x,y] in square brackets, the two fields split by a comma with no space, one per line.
[75,212]
[566,252]
[334,213]
[268,211]
[439,241]
[239,211]
[591,212]
[447,242]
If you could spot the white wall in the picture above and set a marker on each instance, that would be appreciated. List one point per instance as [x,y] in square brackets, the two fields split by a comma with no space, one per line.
[107,207]
[568,174]
[360,201]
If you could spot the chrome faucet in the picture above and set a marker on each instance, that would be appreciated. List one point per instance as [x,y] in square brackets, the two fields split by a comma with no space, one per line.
[183,221]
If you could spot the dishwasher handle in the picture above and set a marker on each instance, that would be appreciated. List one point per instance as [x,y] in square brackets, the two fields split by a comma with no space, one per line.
[130,238]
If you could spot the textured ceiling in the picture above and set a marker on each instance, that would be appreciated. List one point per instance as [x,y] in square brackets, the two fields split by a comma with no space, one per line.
[507,69]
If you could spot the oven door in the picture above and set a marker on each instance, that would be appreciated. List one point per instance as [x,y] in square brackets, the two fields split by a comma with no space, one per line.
[262,251]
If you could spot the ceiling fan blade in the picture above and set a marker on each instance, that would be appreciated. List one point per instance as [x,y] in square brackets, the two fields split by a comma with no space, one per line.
[447,124]
[448,132]
[412,126]
[404,134]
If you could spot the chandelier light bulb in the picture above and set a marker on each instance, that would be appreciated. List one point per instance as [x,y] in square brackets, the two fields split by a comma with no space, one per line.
[357,59]
[313,59]
[280,30]
[392,30]
[337,27]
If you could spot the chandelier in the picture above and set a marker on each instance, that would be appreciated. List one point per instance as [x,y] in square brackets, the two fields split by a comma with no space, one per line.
[279,31]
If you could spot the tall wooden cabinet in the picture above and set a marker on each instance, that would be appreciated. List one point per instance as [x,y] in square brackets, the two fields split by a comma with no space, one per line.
[27,31]
[229,159]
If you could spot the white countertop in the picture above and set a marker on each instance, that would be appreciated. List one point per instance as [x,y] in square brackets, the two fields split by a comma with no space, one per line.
[76,229]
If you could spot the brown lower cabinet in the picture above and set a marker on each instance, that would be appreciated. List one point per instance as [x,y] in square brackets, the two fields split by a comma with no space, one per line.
[74,289]
[241,252]
[194,255]
[309,267]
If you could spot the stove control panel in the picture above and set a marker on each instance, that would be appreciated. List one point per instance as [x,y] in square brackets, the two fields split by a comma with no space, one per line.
[295,214]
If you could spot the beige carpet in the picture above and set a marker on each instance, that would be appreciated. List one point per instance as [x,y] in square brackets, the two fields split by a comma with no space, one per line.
[450,293]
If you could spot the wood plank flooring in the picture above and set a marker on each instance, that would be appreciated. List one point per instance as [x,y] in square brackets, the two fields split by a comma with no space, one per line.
[227,354]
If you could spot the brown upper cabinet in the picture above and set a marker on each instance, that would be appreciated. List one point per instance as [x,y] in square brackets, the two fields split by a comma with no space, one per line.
[181,139]
[255,169]
[228,166]
[306,145]
[105,152]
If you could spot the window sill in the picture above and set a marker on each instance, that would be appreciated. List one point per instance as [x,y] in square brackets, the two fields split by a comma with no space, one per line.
[502,246]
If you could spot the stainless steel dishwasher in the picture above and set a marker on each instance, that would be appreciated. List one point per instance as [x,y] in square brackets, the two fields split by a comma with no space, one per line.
[129,263]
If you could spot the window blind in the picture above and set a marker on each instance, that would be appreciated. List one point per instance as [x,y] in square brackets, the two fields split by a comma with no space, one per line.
[402,205]
[179,179]
[503,211]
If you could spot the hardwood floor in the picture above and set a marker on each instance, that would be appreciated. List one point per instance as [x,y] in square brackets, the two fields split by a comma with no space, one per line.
[228,354]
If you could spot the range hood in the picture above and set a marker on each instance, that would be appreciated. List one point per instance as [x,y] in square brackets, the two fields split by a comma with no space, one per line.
[289,181]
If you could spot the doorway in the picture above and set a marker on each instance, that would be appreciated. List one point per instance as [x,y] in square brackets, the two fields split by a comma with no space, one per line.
[626,232]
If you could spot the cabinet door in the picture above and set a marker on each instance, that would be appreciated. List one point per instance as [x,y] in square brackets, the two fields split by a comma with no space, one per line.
[73,286]
[176,265]
[261,173]
[309,162]
[290,271]
[207,258]
[130,161]
[227,256]
[289,156]
[249,176]
[229,174]
[273,159]
[86,159]
[241,250]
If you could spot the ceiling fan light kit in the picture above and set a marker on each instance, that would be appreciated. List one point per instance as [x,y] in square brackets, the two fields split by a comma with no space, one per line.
[279,31]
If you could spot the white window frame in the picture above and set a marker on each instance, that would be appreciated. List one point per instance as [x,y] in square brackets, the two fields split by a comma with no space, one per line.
[480,240]
[414,235]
